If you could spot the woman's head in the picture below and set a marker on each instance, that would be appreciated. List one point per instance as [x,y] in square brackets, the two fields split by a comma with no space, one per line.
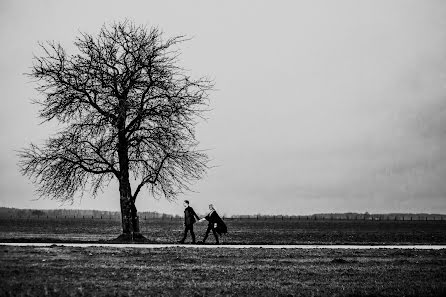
[211,207]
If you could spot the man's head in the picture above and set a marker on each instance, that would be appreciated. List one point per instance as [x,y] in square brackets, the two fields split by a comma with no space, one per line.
[186,203]
[211,207]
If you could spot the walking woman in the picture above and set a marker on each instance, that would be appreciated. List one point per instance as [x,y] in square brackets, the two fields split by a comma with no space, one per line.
[215,223]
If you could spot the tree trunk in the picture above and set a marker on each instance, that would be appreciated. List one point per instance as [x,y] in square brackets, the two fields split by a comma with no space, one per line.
[129,214]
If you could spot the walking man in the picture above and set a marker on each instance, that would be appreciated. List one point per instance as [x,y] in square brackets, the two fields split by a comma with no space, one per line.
[189,221]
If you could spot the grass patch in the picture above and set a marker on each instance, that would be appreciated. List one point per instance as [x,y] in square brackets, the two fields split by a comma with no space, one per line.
[240,231]
[95,271]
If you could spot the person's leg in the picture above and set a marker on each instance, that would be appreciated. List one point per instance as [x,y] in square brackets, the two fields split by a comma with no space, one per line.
[207,233]
[185,234]
[215,235]
[192,233]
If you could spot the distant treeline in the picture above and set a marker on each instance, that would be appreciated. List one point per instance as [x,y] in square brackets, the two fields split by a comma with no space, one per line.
[349,216]
[71,213]
[81,213]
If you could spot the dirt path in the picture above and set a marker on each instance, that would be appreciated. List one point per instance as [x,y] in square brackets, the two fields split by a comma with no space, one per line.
[158,246]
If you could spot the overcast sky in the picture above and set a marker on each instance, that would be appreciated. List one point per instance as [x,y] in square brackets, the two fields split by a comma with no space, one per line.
[321,106]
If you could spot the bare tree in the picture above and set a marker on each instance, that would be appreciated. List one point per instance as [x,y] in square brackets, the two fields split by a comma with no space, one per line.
[128,111]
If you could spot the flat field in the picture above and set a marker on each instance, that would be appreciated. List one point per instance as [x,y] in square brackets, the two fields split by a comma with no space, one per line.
[95,271]
[245,231]
[108,271]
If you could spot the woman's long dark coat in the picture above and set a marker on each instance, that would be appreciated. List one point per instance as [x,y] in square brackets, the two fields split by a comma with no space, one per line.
[214,218]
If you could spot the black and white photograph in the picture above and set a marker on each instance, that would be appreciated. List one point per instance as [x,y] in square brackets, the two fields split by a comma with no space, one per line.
[223,148]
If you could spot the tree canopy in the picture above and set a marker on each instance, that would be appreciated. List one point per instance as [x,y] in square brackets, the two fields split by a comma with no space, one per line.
[127,111]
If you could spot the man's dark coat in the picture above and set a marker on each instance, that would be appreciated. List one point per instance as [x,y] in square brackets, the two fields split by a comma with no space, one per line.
[189,216]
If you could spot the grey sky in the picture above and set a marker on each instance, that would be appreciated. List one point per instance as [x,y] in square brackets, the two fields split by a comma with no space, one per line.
[321,106]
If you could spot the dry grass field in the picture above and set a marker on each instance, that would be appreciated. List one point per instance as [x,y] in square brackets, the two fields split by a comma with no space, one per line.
[245,231]
[108,271]
[94,271]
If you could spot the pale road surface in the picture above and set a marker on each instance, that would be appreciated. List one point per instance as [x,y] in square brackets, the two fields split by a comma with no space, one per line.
[210,246]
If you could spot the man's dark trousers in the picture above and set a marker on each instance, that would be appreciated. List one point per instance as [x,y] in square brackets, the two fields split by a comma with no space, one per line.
[187,228]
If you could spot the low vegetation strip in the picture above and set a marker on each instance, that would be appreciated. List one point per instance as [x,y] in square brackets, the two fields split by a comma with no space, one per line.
[230,246]
[240,231]
[6,212]
[99,271]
